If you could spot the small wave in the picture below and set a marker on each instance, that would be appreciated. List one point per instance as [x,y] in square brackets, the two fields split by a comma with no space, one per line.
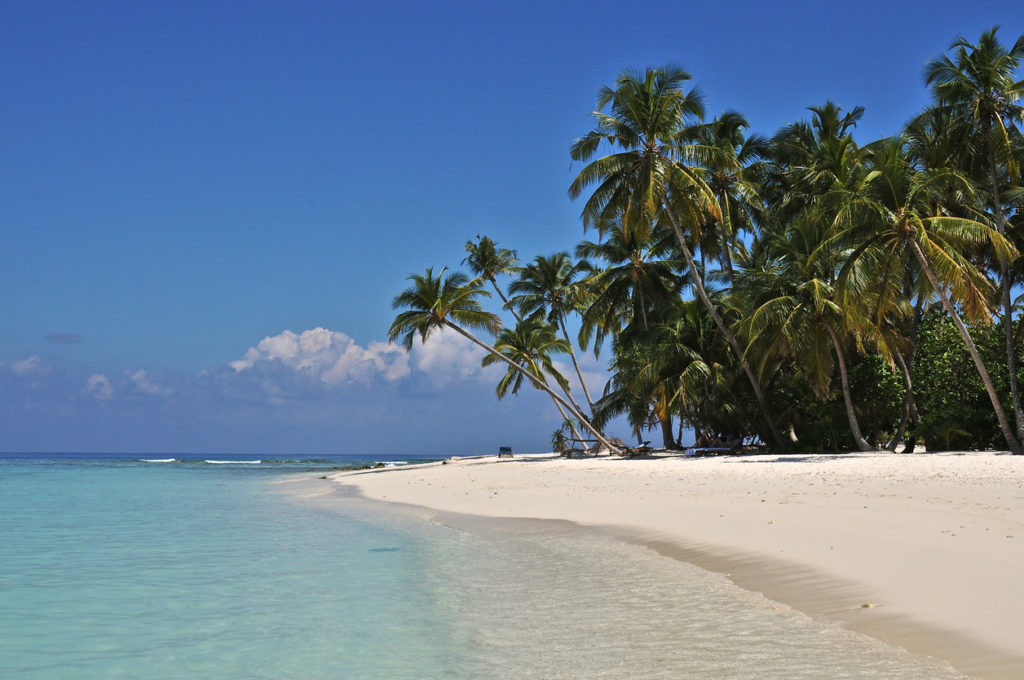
[296,461]
[233,462]
[395,463]
[158,460]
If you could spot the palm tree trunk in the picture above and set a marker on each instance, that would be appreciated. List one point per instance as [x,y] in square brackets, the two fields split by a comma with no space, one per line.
[576,414]
[668,437]
[565,416]
[730,338]
[910,413]
[1004,425]
[504,300]
[576,364]
[723,205]
[1004,285]
[572,425]
[844,380]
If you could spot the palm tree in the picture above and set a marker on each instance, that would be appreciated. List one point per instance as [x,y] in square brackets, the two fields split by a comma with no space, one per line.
[797,312]
[811,157]
[487,260]
[734,164]
[890,211]
[433,303]
[547,287]
[643,181]
[529,345]
[636,279]
[978,90]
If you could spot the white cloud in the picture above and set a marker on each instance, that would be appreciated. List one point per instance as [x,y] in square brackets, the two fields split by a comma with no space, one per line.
[99,387]
[331,357]
[595,375]
[27,367]
[448,357]
[143,384]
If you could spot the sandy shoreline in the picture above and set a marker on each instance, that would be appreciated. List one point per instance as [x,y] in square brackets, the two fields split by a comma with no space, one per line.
[934,543]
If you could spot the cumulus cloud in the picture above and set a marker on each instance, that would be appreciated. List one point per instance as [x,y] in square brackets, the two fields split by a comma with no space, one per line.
[447,356]
[141,382]
[27,367]
[331,357]
[98,386]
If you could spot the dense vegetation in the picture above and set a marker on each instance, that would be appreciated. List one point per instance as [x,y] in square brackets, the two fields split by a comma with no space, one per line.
[800,289]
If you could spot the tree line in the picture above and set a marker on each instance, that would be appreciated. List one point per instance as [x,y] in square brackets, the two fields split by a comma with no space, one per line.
[799,289]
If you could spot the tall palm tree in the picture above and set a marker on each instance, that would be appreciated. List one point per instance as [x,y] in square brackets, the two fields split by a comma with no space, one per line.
[636,278]
[529,345]
[548,287]
[643,181]
[889,212]
[811,157]
[798,312]
[734,163]
[487,260]
[433,303]
[978,89]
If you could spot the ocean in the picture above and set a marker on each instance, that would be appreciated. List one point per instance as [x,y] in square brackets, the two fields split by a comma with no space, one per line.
[136,566]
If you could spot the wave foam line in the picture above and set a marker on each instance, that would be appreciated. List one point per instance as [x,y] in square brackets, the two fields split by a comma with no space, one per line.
[233,462]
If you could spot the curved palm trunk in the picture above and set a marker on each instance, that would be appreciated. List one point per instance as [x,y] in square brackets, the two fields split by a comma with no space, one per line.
[730,338]
[844,380]
[1004,425]
[1004,284]
[576,414]
[576,364]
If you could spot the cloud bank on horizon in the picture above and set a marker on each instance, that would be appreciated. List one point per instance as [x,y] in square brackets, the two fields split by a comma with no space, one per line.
[317,381]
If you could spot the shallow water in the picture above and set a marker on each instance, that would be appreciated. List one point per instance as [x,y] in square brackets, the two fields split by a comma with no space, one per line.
[120,569]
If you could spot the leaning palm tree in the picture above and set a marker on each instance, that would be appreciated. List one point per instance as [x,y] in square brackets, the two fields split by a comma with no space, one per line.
[548,287]
[890,212]
[978,91]
[643,181]
[433,303]
[487,260]
[529,345]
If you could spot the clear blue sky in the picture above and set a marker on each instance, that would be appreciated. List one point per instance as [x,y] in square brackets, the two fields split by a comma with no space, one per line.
[179,181]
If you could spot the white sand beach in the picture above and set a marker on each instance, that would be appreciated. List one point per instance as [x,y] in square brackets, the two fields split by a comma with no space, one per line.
[922,551]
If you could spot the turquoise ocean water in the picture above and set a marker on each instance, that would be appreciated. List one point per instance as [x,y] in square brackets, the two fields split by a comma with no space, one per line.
[114,567]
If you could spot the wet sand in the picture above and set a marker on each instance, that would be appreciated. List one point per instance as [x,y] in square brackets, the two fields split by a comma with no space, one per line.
[921,551]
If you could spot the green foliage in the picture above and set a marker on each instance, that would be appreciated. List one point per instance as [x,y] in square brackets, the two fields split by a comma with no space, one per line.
[955,410]
[877,389]
[820,423]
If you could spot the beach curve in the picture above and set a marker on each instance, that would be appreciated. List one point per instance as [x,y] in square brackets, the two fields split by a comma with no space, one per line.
[920,551]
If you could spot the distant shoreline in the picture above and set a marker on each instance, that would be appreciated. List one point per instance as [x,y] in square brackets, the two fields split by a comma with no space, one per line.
[933,544]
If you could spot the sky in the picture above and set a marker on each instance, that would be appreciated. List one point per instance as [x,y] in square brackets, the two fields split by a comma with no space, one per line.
[206,208]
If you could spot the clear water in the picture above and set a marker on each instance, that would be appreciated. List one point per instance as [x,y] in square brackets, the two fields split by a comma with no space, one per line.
[123,569]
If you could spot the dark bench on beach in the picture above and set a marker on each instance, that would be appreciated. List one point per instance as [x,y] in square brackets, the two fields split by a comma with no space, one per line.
[504,452]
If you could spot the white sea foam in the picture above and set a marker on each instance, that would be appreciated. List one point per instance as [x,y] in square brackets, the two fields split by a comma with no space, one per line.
[157,460]
[233,462]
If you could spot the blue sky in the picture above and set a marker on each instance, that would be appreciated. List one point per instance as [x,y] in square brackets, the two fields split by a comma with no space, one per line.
[180,182]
